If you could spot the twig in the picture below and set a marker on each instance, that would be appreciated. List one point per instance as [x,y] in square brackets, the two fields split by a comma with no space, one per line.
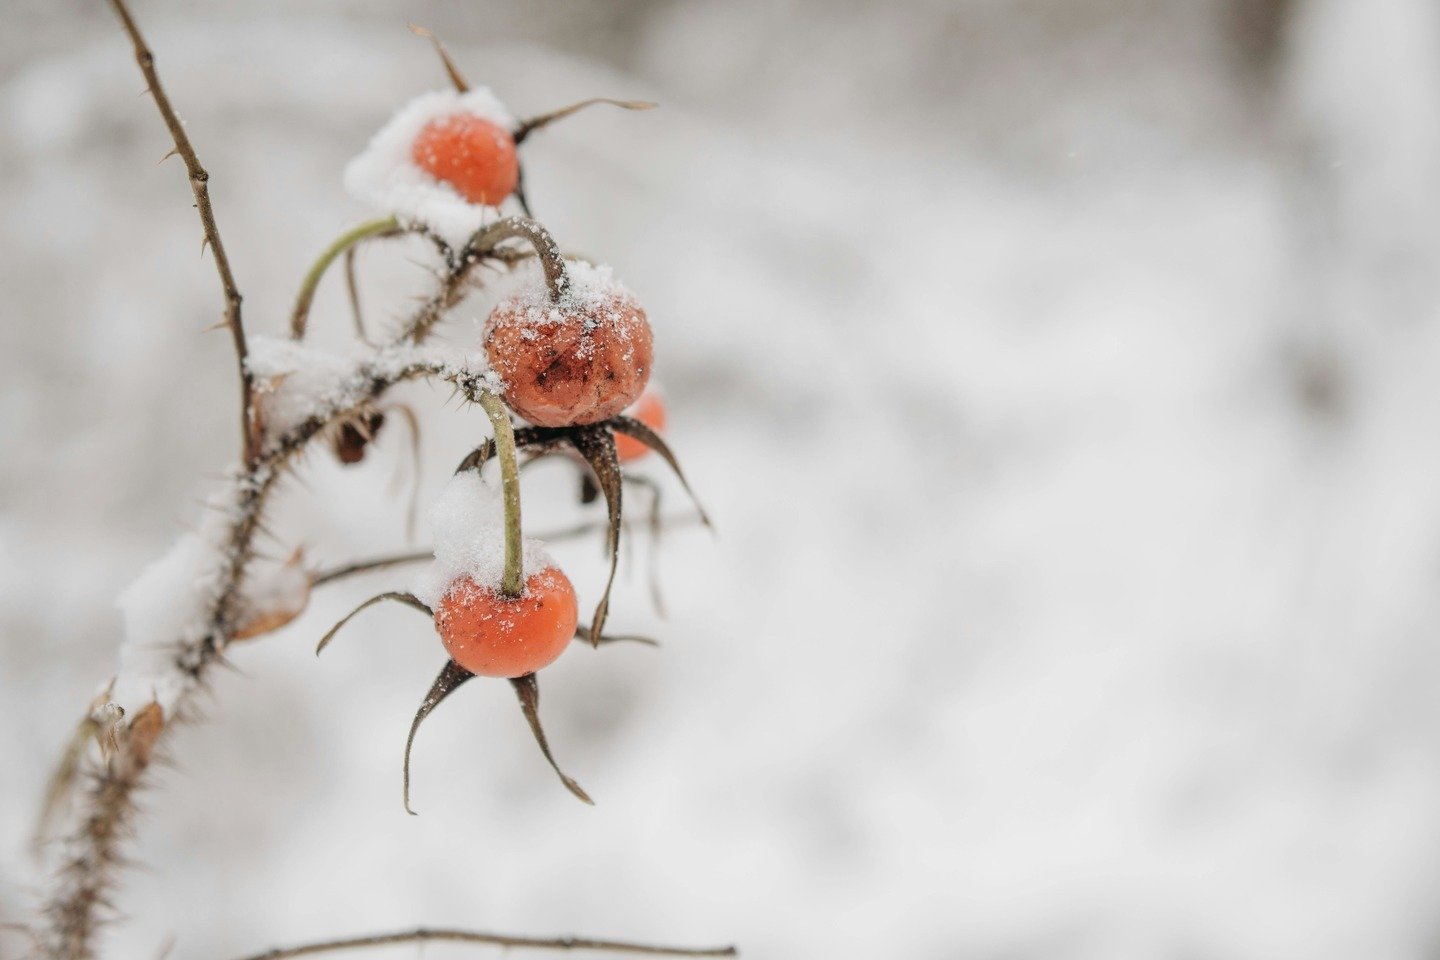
[423,935]
[199,186]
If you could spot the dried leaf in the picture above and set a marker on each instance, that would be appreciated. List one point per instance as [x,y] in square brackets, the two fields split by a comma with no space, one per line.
[528,690]
[452,675]
[406,598]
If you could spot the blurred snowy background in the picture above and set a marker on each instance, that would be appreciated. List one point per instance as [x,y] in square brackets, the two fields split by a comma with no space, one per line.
[1062,375]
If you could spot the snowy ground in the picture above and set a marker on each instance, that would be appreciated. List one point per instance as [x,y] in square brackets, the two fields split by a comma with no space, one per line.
[1067,404]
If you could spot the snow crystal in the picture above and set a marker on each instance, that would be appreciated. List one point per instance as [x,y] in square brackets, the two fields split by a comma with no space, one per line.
[384,176]
[468,526]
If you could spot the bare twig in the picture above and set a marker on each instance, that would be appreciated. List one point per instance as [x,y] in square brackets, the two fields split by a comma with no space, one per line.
[423,935]
[199,186]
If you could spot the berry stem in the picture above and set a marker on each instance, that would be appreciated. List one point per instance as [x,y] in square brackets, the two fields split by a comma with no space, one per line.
[557,279]
[513,584]
[344,243]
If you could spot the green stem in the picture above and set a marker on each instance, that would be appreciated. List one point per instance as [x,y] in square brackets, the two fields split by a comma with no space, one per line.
[373,228]
[513,584]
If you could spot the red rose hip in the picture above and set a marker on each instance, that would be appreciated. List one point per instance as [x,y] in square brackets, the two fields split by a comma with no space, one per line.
[575,361]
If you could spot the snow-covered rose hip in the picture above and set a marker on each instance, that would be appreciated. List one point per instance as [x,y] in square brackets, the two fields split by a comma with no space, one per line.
[573,359]
[474,155]
[493,635]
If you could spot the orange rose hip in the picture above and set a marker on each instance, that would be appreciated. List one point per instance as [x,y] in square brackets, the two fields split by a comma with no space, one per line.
[492,635]
[473,155]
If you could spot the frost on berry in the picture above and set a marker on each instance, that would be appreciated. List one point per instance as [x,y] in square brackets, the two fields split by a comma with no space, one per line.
[575,360]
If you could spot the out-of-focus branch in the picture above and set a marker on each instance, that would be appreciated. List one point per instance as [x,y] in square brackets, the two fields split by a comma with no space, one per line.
[420,556]
[200,187]
[492,939]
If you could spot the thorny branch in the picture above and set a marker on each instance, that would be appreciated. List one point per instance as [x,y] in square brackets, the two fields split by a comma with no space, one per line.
[75,908]
[200,187]
[494,939]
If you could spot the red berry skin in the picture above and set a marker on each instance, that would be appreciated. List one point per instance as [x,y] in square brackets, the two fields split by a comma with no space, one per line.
[649,410]
[474,156]
[496,636]
[578,364]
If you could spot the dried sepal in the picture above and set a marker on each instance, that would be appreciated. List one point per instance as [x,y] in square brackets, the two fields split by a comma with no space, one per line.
[597,446]
[582,632]
[532,124]
[144,731]
[527,689]
[639,431]
[109,719]
[283,609]
[538,440]
[62,779]
[451,71]
[354,435]
[408,599]
[452,675]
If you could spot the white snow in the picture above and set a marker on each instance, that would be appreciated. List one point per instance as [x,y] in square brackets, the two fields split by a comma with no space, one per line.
[296,381]
[384,176]
[591,288]
[467,523]
[169,606]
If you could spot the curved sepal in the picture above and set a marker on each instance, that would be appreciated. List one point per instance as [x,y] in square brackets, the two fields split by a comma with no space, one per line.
[638,431]
[452,675]
[597,446]
[528,690]
[409,599]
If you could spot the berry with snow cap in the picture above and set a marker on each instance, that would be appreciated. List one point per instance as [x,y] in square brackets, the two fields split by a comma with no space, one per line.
[493,635]
[472,154]
[575,358]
